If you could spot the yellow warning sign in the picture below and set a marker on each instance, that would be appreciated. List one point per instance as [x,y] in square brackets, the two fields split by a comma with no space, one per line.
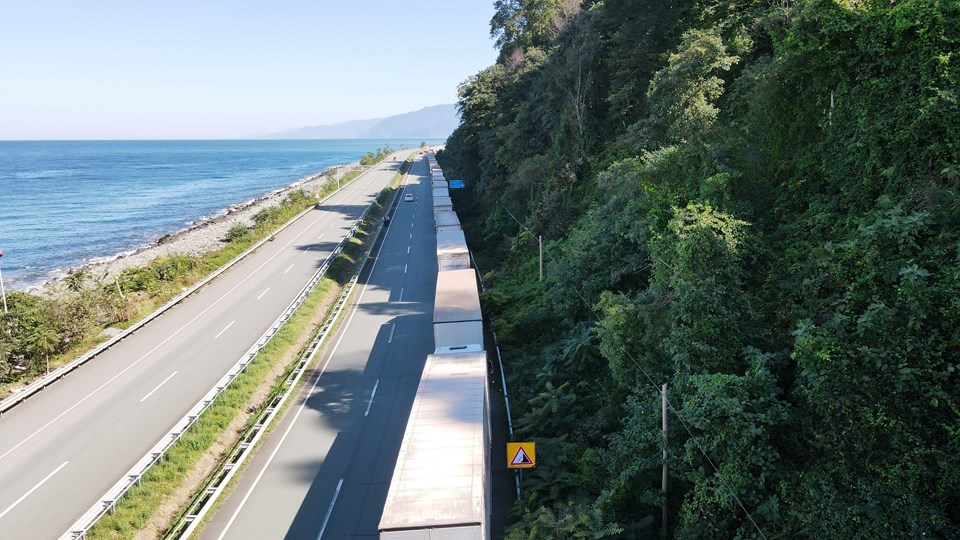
[521,455]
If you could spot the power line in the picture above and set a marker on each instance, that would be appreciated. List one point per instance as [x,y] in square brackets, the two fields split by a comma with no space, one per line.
[658,389]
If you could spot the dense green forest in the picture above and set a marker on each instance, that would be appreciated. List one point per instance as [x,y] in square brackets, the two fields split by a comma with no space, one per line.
[755,203]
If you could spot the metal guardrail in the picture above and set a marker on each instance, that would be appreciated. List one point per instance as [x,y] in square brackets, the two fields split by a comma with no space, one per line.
[106,503]
[245,446]
[65,369]
[503,377]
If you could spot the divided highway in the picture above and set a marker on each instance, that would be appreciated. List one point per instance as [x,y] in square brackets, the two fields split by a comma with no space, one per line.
[325,469]
[63,448]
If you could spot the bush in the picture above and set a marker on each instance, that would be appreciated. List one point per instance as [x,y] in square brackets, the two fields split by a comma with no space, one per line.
[237,233]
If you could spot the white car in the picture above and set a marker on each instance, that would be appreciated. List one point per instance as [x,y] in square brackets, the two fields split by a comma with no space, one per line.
[408,197]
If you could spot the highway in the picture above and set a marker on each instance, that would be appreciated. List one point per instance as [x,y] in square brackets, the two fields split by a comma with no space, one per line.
[65,447]
[325,469]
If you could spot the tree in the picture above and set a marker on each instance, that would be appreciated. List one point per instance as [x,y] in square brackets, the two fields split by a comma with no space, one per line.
[44,341]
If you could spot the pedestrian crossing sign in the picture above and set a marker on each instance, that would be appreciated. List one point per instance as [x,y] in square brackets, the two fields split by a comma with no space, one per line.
[521,455]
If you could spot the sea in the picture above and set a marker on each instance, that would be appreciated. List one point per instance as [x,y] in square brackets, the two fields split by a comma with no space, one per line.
[64,204]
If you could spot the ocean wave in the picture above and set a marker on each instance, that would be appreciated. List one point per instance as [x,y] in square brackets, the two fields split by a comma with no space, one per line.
[43,174]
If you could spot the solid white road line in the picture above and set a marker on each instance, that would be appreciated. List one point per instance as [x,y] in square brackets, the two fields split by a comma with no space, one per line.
[392,328]
[225,329]
[372,395]
[34,488]
[159,385]
[330,510]
[263,293]
[288,268]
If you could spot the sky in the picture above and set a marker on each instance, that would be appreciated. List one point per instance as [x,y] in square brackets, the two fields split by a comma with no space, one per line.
[211,69]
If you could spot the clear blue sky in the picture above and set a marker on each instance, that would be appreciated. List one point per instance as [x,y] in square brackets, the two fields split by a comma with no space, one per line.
[221,69]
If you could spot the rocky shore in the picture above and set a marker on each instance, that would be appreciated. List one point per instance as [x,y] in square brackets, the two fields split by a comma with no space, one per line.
[201,238]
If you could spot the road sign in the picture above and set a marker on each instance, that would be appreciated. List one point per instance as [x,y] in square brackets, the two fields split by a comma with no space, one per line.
[455,184]
[521,455]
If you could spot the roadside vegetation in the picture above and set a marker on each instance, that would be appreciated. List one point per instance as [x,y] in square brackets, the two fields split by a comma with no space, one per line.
[756,203]
[376,157]
[41,332]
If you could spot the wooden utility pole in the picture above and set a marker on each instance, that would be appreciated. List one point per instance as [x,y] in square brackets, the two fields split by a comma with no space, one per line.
[663,486]
[540,239]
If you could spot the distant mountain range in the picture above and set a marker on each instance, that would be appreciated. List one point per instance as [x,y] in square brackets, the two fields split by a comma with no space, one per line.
[434,122]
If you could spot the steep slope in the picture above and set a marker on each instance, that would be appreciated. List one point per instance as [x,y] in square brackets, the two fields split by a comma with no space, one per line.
[755,203]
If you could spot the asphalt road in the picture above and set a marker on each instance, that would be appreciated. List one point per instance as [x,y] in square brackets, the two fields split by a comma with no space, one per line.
[326,467]
[62,449]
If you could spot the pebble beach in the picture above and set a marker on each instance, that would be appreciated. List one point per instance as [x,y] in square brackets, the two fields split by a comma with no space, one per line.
[200,238]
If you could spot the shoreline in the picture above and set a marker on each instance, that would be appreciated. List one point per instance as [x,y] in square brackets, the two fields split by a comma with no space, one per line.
[201,236]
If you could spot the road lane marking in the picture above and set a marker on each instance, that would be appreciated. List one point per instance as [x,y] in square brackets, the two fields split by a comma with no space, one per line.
[154,349]
[408,250]
[404,269]
[263,293]
[288,268]
[372,395]
[392,328]
[159,385]
[34,488]
[307,250]
[330,510]
[225,329]
[401,295]
[321,236]
[411,236]
[293,423]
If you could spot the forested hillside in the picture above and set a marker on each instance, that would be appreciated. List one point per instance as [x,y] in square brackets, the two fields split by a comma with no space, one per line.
[755,203]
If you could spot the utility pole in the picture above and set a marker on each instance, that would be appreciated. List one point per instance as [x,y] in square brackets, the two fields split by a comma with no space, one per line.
[663,484]
[3,291]
[540,239]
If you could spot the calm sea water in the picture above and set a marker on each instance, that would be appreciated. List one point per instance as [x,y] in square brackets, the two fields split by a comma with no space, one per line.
[64,204]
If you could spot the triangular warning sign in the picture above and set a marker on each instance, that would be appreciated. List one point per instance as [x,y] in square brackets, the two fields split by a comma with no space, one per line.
[521,458]
[524,455]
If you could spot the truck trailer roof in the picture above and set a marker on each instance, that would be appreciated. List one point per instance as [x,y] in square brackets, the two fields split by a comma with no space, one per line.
[440,477]
[457,298]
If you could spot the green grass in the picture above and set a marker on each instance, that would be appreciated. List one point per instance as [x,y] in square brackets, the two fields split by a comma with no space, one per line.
[134,510]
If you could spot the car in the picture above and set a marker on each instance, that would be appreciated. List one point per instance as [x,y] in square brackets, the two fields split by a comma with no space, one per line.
[408,197]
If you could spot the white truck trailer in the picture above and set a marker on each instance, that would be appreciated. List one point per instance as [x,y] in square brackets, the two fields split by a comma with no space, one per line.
[452,251]
[441,486]
[457,319]
[446,219]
